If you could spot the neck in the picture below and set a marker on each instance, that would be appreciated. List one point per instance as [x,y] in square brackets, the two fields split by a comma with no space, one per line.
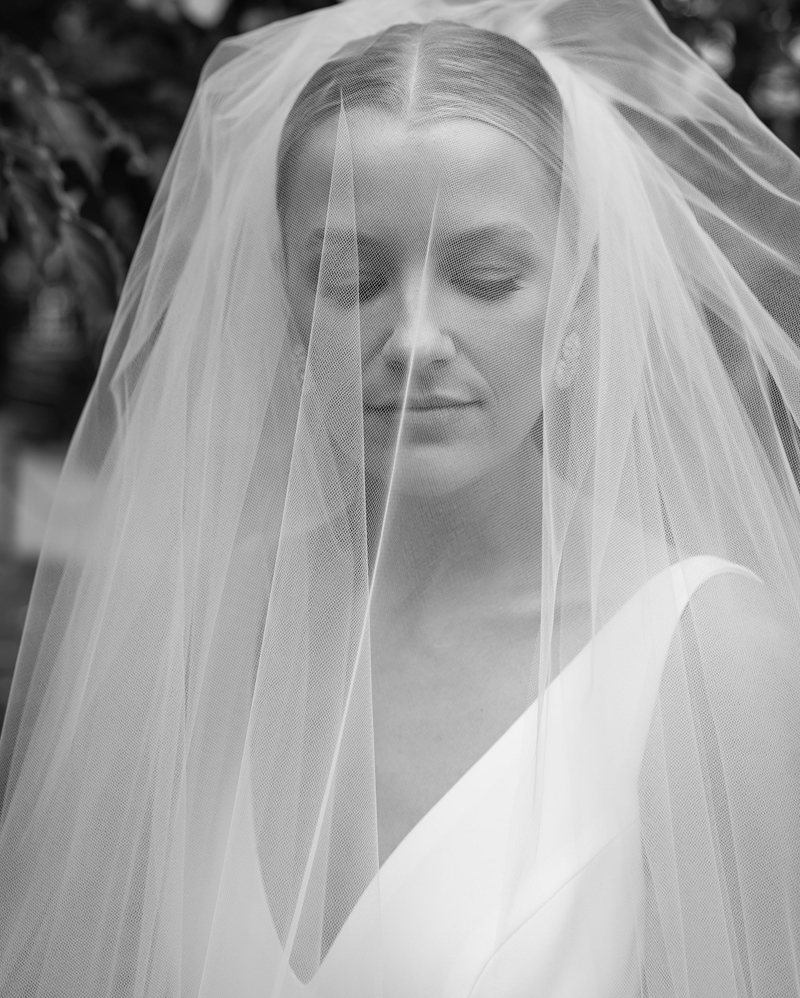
[481,538]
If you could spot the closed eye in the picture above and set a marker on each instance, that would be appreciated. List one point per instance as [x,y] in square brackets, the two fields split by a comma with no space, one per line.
[486,287]
[344,292]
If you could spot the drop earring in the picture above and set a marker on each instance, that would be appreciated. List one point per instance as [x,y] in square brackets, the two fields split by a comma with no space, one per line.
[567,364]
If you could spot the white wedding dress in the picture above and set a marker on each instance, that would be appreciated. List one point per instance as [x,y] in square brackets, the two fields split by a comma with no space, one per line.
[572,929]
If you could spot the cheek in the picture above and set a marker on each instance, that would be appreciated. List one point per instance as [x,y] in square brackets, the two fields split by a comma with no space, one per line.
[300,297]
[511,363]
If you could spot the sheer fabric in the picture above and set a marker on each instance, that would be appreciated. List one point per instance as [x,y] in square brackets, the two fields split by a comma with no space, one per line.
[430,360]
[571,931]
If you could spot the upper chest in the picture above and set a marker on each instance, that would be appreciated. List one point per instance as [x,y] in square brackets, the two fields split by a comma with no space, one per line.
[443,695]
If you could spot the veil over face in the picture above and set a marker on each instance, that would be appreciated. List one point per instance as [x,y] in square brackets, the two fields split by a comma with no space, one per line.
[455,325]
[452,271]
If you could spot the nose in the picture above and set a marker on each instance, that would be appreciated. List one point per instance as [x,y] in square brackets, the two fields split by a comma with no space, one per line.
[417,336]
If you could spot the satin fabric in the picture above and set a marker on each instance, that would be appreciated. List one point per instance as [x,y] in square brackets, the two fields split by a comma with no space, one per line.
[438,891]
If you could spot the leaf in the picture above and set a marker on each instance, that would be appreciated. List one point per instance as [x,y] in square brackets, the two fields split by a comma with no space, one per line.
[35,210]
[65,127]
[33,192]
[96,271]
[116,137]
[56,119]
[18,149]
[21,72]
[204,13]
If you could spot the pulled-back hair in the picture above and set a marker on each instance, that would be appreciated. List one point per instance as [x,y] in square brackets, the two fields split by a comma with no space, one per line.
[426,73]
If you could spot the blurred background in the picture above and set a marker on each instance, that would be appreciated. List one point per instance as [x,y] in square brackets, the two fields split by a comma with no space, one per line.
[92,96]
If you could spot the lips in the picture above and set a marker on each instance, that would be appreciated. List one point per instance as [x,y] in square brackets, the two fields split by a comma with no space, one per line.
[425,404]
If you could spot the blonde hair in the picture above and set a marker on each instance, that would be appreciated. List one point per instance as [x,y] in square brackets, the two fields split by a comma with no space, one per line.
[423,73]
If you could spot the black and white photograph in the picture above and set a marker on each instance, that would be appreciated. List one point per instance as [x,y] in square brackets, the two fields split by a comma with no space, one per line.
[400,499]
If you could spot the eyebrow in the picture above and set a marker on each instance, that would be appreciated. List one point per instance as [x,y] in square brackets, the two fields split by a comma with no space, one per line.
[510,234]
[519,235]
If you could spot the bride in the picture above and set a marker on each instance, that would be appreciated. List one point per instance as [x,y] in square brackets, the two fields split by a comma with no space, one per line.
[431,629]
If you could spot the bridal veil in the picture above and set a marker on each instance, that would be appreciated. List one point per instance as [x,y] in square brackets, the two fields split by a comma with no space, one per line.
[453,325]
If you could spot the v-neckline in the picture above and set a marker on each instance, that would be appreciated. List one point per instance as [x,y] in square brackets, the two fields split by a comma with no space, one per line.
[440,815]
[489,768]
[418,841]
[434,823]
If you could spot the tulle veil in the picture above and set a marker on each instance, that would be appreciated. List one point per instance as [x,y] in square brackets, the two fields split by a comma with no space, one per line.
[201,659]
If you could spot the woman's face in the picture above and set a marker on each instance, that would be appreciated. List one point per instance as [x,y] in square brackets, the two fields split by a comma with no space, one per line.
[456,227]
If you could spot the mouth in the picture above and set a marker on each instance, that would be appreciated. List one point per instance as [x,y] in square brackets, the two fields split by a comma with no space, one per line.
[436,403]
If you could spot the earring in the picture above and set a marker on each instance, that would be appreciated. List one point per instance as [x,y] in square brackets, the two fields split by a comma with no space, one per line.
[299,356]
[567,364]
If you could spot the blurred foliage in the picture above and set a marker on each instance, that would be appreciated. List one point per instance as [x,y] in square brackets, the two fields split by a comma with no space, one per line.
[92,96]
[755,46]
[63,262]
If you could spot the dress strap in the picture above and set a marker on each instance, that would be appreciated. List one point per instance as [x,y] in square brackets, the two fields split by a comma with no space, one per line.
[578,882]
[593,720]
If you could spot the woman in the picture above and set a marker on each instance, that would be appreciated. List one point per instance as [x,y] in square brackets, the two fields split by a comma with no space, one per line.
[432,627]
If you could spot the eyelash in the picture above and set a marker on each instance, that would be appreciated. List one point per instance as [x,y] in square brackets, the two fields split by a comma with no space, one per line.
[487,290]
[482,290]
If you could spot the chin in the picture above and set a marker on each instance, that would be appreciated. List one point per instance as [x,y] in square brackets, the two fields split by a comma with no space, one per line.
[430,471]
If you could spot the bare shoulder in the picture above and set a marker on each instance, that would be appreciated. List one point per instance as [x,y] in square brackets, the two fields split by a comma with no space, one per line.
[726,748]
[746,618]
[745,637]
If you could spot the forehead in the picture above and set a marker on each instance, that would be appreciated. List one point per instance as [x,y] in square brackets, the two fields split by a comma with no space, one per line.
[466,174]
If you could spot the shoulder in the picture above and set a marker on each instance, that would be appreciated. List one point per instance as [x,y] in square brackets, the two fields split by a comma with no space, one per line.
[738,645]
[721,787]
[737,619]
